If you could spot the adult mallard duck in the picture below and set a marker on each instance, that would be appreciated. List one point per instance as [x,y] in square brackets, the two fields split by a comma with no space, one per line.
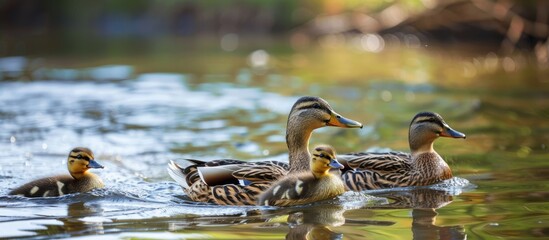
[235,182]
[80,160]
[310,186]
[423,166]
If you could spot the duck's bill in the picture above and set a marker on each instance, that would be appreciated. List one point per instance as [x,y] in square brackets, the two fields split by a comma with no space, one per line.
[335,164]
[339,121]
[94,164]
[449,132]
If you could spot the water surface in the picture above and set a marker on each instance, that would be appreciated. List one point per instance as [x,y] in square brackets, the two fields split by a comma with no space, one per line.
[136,121]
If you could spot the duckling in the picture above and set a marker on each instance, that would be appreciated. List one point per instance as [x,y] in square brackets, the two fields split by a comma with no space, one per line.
[307,186]
[235,182]
[424,166]
[80,160]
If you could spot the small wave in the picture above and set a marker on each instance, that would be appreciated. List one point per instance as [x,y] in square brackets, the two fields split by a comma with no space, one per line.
[432,196]
[136,200]
[454,186]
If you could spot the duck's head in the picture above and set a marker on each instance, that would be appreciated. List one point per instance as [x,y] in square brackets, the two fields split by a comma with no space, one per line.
[315,112]
[308,114]
[80,160]
[425,128]
[323,159]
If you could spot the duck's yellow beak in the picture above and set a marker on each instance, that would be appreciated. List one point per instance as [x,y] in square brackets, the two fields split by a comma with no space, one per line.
[339,121]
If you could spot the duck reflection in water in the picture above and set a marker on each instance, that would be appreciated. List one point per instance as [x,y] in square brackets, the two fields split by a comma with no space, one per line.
[313,223]
[318,222]
[423,226]
[424,202]
[76,223]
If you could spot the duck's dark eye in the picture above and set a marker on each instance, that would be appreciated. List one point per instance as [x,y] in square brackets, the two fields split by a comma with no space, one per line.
[322,155]
[79,157]
[316,105]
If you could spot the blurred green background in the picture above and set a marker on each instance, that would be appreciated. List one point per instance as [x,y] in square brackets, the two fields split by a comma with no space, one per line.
[173,29]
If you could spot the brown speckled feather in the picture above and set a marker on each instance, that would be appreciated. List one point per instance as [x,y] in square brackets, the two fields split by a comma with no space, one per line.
[232,194]
[198,191]
[386,162]
[191,173]
[377,171]
[262,171]
[258,176]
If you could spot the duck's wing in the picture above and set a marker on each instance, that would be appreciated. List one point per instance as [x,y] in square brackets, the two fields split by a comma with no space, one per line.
[233,194]
[380,162]
[360,180]
[262,171]
[226,181]
[253,178]
[376,170]
[46,187]
[185,171]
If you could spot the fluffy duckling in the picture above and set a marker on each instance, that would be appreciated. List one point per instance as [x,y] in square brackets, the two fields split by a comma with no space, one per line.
[424,166]
[80,160]
[307,186]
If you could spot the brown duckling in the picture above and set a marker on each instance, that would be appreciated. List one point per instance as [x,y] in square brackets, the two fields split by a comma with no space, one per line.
[307,186]
[80,160]
[424,166]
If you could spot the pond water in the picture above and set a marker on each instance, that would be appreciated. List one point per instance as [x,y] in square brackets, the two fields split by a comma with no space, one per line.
[139,115]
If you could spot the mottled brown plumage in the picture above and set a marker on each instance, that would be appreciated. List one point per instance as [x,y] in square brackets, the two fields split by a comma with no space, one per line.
[234,182]
[80,160]
[310,186]
[424,166]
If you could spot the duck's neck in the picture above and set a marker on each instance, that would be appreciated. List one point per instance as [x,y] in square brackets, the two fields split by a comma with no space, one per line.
[79,175]
[297,140]
[319,172]
[417,149]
